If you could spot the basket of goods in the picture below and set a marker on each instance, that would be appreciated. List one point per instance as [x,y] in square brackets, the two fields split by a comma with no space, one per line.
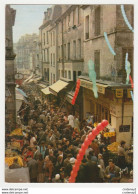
[9,160]
[113,147]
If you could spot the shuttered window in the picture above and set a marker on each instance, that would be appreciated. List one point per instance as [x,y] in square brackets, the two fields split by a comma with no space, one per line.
[97,63]
[97,21]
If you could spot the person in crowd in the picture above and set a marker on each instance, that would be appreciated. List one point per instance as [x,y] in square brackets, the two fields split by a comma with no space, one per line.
[112,172]
[71,120]
[48,166]
[122,155]
[41,175]
[15,164]
[101,166]
[93,157]
[36,153]
[56,179]
[33,169]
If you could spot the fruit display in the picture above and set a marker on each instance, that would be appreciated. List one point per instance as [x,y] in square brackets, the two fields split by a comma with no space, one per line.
[9,160]
[113,147]
[17,132]
[109,134]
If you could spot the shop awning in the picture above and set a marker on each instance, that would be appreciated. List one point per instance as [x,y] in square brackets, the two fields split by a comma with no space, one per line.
[57,87]
[42,85]
[28,79]
[31,80]
[46,91]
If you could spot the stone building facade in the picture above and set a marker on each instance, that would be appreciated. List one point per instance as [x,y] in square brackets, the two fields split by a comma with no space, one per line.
[10,112]
[70,43]
[80,37]
[27,51]
[114,101]
[48,43]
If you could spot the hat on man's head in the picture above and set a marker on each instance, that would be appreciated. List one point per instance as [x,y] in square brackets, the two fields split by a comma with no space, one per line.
[72,160]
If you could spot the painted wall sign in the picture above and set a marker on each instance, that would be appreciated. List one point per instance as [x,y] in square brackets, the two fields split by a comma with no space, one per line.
[88,85]
[124,128]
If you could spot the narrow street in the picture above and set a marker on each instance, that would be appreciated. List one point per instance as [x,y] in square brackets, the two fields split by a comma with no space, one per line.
[69,93]
[47,141]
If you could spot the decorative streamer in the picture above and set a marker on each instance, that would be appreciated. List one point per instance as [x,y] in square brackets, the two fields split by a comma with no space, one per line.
[125,18]
[92,76]
[130,78]
[83,149]
[76,92]
[108,43]
[128,71]
[126,59]
[132,95]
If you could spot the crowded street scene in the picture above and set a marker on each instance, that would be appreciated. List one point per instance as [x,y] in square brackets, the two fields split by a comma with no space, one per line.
[69,96]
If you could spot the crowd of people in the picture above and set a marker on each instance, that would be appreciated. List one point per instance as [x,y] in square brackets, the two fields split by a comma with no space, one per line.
[51,141]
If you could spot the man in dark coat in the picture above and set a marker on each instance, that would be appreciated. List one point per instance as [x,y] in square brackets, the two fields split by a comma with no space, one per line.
[89,172]
[33,169]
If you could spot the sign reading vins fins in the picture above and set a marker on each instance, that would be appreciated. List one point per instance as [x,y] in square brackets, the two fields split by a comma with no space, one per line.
[124,128]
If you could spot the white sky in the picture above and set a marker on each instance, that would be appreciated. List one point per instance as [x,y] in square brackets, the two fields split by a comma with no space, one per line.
[28,19]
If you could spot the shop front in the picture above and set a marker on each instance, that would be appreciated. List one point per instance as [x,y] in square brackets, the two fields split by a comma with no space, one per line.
[114,104]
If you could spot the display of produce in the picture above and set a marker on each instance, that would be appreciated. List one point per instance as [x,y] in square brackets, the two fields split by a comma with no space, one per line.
[17,132]
[113,147]
[9,160]
[109,134]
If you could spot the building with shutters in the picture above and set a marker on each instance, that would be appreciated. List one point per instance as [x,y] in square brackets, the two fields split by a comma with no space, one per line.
[114,101]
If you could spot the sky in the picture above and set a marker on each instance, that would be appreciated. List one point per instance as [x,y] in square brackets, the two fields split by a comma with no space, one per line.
[28,19]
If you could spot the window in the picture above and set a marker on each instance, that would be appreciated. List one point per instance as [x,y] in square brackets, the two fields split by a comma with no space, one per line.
[68,50]
[69,20]
[97,63]
[44,38]
[65,74]
[44,55]
[74,49]
[87,27]
[59,74]
[62,73]
[54,78]
[47,55]
[53,59]
[65,51]
[79,73]
[53,38]
[61,52]
[51,78]
[69,74]
[74,17]
[58,52]
[47,37]
[79,48]
[78,15]
[97,21]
